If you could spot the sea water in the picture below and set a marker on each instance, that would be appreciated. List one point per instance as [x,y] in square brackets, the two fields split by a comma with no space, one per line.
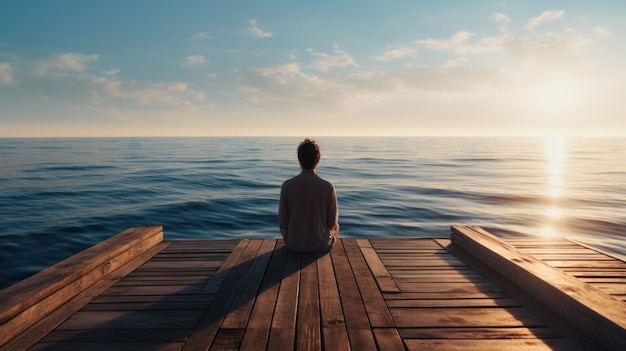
[60,196]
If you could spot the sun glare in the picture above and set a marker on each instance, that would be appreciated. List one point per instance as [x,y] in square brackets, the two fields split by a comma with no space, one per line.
[555,152]
[555,95]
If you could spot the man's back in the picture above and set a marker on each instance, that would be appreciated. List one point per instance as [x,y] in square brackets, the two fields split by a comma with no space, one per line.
[308,212]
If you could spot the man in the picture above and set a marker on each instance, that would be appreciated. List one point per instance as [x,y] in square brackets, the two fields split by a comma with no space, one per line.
[308,214]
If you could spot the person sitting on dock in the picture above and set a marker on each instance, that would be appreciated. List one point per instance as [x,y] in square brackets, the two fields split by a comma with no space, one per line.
[308,213]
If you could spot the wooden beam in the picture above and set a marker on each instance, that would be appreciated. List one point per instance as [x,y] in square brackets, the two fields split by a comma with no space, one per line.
[592,311]
[26,302]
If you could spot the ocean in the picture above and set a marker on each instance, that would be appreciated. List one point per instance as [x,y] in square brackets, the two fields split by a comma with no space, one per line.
[61,196]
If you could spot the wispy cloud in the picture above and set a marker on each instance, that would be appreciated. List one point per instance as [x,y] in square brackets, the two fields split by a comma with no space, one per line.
[602,32]
[201,35]
[325,61]
[194,61]
[395,54]
[460,43]
[177,94]
[256,31]
[112,72]
[6,73]
[503,20]
[70,61]
[544,17]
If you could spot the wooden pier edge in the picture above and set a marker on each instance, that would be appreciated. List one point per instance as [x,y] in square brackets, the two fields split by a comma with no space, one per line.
[592,311]
[28,301]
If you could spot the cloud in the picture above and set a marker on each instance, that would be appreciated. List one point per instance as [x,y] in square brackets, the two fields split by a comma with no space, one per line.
[112,72]
[544,17]
[459,43]
[70,61]
[350,92]
[201,35]
[396,54]
[255,31]
[504,21]
[6,73]
[193,61]
[175,95]
[327,61]
[552,50]
[602,32]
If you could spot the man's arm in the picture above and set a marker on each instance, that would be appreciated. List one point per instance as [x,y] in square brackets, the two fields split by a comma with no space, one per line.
[283,213]
[332,217]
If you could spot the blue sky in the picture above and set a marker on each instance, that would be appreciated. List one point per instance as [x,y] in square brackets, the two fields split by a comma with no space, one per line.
[312,68]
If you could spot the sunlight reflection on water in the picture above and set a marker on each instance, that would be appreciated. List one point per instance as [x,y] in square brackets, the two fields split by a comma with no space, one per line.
[555,152]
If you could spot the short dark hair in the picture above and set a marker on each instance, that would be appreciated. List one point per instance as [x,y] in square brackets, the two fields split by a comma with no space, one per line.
[308,154]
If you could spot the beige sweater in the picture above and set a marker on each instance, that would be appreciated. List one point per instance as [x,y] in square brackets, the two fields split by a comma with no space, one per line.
[308,214]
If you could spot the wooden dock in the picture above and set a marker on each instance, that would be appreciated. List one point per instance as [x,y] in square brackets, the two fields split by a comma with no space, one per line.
[468,291]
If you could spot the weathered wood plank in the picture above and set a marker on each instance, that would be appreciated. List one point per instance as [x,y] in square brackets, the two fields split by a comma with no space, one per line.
[442,287]
[107,346]
[207,327]
[227,340]
[451,303]
[388,339]
[47,323]
[379,271]
[241,307]
[491,345]
[283,328]
[464,317]
[24,303]
[357,322]
[308,333]
[594,312]
[447,295]
[332,319]
[373,300]
[258,329]
[131,320]
[479,333]
[351,302]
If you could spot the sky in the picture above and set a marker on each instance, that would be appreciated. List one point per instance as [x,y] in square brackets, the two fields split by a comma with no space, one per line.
[312,68]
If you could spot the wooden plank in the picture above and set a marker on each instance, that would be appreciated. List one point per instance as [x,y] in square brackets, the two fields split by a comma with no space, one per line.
[441,287]
[107,335]
[332,319]
[379,271]
[107,346]
[594,312]
[207,327]
[451,303]
[357,322]
[258,329]
[227,339]
[351,302]
[479,333]
[448,295]
[241,307]
[464,317]
[388,339]
[131,320]
[308,336]
[283,330]
[47,323]
[373,300]
[23,303]
[491,345]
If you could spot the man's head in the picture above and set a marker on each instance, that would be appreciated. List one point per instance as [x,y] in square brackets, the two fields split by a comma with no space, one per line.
[308,154]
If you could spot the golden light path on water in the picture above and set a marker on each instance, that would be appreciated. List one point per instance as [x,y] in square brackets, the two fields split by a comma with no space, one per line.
[555,151]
